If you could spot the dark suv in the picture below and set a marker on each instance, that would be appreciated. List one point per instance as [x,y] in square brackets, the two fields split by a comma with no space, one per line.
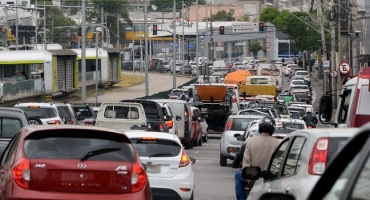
[154,115]
[85,114]
[11,121]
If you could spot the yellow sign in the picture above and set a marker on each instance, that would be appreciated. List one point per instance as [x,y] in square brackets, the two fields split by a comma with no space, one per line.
[138,34]
[318,57]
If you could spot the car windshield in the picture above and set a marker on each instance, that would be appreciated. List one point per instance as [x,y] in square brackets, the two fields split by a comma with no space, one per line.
[42,113]
[282,97]
[301,110]
[301,96]
[296,115]
[156,147]
[240,124]
[294,125]
[75,144]
[253,112]
[283,130]
[176,93]
[302,73]
[82,111]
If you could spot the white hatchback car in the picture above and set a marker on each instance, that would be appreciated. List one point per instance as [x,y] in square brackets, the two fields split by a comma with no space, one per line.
[303,74]
[167,165]
[229,144]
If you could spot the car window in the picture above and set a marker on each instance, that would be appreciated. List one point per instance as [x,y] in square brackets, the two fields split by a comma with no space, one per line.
[121,112]
[9,127]
[64,144]
[9,150]
[42,113]
[240,124]
[83,111]
[274,168]
[339,185]
[294,159]
[302,73]
[64,111]
[294,125]
[150,147]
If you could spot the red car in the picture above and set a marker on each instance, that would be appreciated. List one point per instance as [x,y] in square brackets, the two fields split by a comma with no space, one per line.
[72,162]
[197,137]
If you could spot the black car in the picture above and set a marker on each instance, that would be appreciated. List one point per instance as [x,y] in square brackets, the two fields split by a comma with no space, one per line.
[85,115]
[154,115]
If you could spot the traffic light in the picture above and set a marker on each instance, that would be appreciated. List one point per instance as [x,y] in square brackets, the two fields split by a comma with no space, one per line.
[262,27]
[222,30]
[79,31]
[155,29]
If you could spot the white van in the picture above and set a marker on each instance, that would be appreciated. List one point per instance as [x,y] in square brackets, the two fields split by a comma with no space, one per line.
[181,113]
[121,116]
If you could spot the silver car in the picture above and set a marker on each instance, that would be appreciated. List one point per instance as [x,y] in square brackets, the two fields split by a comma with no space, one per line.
[229,145]
[303,74]
[299,161]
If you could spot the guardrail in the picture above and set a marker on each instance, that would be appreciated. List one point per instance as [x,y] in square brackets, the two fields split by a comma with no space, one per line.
[19,89]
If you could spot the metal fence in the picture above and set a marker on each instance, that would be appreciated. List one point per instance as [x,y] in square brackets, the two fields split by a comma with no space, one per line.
[19,89]
[90,77]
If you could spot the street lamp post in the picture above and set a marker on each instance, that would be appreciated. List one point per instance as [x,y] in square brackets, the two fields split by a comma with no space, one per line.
[174,45]
[96,66]
[146,47]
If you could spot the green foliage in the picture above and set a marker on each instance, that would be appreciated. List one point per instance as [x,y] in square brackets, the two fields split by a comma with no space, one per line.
[254,47]
[244,18]
[72,11]
[304,36]
[167,5]
[222,15]
[55,18]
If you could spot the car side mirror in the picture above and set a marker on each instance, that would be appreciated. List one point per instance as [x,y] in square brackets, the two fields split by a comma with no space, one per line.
[325,109]
[67,120]
[276,196]
[252,173]
[178,118]
[192,160]
[286,90]
[237,134]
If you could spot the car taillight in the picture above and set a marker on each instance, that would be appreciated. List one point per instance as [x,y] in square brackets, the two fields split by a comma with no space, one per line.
[319,156]
[21,173]
[56,122]
[88,123]
[185,161]
[161,127]
[229,125]
[138,178]
[169,124]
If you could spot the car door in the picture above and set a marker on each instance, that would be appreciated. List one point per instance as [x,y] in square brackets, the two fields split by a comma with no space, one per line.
[266,184]
[179,117]
[290,170]
[6,162]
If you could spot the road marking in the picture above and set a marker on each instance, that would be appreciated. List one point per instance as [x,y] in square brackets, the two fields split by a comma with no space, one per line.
[196,152]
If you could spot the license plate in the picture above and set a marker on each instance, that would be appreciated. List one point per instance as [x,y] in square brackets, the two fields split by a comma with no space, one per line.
[153,168]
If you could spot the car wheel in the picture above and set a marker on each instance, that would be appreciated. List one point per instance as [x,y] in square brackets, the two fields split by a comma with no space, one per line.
[200,141]
[34,121]
[195,143]
[187,145]
[192,196]
[223,160]
[191,143]
[205,138]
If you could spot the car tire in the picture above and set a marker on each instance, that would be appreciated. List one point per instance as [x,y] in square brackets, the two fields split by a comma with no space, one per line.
[200,142]
[223,160]
[191,144]
[205,138]
[187,145]
[195,143]
[34,121]
[192,196]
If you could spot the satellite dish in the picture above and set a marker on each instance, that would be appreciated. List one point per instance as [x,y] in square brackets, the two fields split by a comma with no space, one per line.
[154,7]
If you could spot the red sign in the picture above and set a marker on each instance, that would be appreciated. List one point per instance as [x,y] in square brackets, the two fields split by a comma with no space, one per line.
[269,72]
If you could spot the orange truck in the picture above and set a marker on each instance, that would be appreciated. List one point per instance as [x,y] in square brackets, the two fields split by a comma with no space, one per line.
[216,102]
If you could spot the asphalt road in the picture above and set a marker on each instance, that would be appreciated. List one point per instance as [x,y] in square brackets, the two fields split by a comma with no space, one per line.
[212,182]
[157,83]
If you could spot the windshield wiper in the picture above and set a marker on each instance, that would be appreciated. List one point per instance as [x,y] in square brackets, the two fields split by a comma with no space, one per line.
[160,154]
[98,152]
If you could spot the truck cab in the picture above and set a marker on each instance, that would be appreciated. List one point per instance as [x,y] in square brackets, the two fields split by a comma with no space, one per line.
[353,108]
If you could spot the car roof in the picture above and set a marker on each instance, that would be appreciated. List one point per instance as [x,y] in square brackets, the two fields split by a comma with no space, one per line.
[246,116]
[296,107]
[30,129]
[161,135]
[169,100]
[39,104]
[292,120]
[302,71]
[331,132]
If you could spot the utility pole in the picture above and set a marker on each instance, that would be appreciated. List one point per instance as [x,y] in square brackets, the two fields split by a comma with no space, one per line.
[174,45]
[44,26]
[333,61]
[52,29]
[355,35]
[206,35]
[343,39]
[118,42]
[183,37]
[211,40]
[16,27]
[323,43]
[146,47]
[83,52]
[268,41]
[35,24]
[102,28]
[197,39]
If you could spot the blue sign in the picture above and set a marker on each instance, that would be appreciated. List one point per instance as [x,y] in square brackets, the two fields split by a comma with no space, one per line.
[177,45]
[202,34]
[190,46]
